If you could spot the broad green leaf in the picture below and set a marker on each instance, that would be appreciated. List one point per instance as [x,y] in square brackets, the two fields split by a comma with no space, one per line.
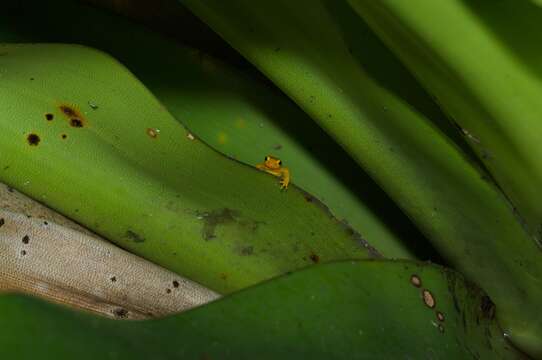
[82,135]
[349,310]
[458,207]
[230,110]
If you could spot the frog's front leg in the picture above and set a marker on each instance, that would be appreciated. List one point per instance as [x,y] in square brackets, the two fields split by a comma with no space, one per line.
[285,180]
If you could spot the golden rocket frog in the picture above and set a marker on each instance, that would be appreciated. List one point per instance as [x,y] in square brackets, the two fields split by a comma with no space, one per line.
[273,166]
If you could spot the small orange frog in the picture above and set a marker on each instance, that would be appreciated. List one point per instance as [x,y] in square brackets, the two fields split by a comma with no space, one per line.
[273,166]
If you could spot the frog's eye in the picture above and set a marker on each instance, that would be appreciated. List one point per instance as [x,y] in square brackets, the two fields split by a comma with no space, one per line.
[279,162]
[266,158]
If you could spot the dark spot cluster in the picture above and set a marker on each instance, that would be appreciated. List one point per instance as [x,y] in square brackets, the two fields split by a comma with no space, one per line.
[25,240]
[2,222]
[75,118]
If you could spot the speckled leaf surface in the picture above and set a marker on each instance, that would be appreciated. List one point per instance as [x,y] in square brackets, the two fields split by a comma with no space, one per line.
[81,134]
[233,111]
[349,310]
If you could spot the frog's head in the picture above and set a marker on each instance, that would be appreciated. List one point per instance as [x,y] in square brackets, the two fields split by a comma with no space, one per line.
[272,162]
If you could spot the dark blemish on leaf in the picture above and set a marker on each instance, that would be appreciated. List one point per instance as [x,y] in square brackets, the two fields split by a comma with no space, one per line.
[175,284]
[314,258]
[120,313]
[10,189]
[69,111]
[222,217]
[92,105]
[31,79]
[135,237]
[223,276]
[6,167]
[113,279]
[26,239]
[63,136]
[28,216]
[75,122]
[277,147]
[440,316]
[415,280]
[309,198]
[23,252]
[45,223]
[2,222]
[247,250]
[49,116]
[168,291]
[487,307]
[428,298]
[33,139]
[75,117]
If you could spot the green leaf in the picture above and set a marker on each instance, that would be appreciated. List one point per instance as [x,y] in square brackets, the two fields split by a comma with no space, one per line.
[82,135]
[231,111]
[349,310]
[453,202]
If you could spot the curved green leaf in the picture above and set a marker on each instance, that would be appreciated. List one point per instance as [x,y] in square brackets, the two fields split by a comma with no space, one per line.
[81,134]
[350,310]
[231,111]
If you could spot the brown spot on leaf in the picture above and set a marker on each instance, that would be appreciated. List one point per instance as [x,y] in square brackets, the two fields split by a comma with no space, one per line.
[23,252]
[168,291]
[175,284]
[428,298]
[49,116]
[153,133]
[63,136]
[2,222]
[415,280]
[120,312]
[77,123]
[26,239]
[75,118]
[33,139]
[440,316]
[113,278]
[69,111]
[315,258]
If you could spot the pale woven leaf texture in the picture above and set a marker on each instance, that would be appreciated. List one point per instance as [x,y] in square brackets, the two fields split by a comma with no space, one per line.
[43,253]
